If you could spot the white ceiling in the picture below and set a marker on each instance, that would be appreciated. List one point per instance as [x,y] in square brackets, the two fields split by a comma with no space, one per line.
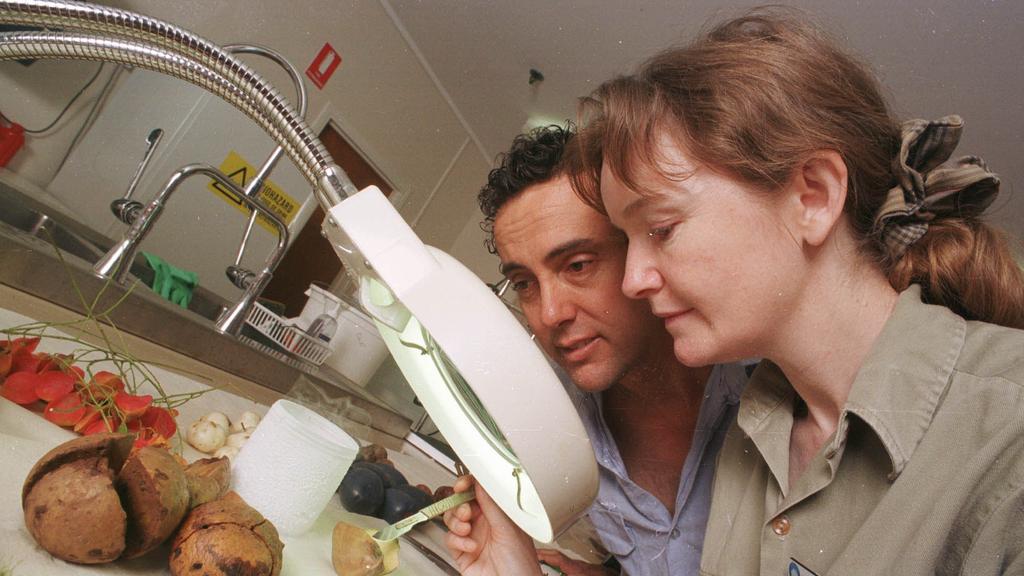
[935,57]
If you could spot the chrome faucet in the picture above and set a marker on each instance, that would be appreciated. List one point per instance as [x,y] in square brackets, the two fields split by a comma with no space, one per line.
[116,263]
[238,275]
[128,210]
[124,208]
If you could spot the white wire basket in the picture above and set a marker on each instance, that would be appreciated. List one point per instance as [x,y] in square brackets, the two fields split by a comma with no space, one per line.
[288,338]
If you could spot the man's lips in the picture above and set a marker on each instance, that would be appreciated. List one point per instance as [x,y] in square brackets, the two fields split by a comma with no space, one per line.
[576,350]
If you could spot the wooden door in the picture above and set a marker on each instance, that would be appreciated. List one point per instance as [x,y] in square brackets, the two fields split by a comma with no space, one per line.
[310,258]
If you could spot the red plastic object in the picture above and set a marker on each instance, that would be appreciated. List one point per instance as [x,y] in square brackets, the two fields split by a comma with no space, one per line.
[12,137]
[324,65]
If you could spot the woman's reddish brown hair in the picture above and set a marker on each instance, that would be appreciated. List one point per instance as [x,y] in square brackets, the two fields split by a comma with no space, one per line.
[756,96]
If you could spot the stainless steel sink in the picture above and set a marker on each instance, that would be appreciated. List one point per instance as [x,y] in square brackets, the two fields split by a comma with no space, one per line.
[26,215]
[31,234]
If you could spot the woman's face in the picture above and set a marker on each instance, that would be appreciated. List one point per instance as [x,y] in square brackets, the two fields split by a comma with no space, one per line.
[711,255]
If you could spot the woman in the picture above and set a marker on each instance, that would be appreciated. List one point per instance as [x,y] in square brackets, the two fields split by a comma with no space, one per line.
[884,432]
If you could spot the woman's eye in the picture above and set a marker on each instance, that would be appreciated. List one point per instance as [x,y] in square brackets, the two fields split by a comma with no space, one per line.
[661,232]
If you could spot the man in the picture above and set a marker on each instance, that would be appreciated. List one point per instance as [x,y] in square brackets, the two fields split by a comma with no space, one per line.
[655,424]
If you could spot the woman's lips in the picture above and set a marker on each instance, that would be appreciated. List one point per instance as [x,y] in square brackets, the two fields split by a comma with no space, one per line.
[673,318]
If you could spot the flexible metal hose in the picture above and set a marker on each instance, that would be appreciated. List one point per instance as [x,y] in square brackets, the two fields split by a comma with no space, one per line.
[281,120]
[81,46]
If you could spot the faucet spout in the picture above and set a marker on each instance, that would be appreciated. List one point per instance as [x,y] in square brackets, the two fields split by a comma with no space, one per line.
[116,263]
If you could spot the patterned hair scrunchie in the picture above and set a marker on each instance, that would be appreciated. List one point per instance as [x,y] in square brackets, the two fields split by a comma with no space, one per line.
[925,190]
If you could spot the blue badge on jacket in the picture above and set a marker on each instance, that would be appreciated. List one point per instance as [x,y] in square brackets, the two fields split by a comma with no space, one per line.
[798,569]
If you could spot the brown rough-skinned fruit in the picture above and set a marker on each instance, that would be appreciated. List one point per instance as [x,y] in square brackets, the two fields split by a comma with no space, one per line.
[372,453]
[226,537]
[208,479]
[88,501]
[155,497]
[115,447]
[70,491]
[62,507]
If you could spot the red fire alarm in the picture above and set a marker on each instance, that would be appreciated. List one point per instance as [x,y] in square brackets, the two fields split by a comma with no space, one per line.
[325,63]
[12,137]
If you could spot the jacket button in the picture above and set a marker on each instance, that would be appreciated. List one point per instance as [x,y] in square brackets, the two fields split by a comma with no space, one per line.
[781,526]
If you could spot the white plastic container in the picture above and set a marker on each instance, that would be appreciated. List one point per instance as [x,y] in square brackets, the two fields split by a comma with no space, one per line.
[320,301]
[291,466]
[358,348]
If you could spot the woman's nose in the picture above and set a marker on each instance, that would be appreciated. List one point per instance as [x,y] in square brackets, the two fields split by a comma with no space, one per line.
[641,277]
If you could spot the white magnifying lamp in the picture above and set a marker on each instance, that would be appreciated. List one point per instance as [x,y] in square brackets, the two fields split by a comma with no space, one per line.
[484,382]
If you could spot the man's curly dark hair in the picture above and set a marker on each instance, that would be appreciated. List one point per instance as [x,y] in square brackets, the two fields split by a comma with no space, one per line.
[534,158]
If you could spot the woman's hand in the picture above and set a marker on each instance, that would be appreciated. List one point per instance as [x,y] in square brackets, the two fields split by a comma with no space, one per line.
[571,567]
[482,539]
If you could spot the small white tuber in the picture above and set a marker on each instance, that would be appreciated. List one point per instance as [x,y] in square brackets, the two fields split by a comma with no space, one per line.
[206,436]
[246,422]
[237,439]
[229,451]
[218,418]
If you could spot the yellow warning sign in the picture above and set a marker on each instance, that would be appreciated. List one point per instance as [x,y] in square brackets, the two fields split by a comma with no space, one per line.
[241,172]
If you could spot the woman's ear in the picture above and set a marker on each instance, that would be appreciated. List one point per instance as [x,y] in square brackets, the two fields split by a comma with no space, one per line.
[817,194]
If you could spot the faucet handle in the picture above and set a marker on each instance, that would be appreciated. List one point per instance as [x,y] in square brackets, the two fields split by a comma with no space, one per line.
[125,209]
[242,278]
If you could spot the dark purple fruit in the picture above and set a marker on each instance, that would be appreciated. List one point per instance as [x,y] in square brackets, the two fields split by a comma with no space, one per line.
[421,497]
[389,474]
[398,504]
[362,491]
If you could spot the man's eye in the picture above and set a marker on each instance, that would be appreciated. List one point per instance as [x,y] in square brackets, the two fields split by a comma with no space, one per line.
[579,265]
[520,285]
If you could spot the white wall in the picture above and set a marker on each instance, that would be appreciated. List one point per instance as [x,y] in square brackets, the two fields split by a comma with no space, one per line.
[470,250]
[33,96]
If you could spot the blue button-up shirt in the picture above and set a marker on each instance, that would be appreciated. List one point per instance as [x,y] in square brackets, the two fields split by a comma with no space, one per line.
[633,524]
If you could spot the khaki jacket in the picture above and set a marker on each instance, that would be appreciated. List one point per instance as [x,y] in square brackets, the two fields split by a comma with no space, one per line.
[924,474]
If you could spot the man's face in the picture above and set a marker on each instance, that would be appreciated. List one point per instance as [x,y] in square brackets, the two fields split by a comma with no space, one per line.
[565,262]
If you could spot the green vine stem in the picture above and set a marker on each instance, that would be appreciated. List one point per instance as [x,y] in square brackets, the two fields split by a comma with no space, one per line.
[98,325]
[6,568]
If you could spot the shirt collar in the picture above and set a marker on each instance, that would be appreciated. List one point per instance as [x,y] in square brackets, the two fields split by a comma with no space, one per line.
[902,382]
[766,416]
[896,391]
[723,389]
[733,380]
